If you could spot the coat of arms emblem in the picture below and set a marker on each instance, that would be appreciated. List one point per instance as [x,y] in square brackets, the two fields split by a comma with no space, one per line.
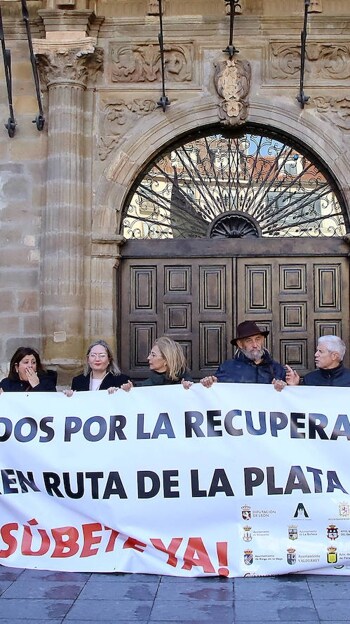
[291,556]
[332,532]
[248,557]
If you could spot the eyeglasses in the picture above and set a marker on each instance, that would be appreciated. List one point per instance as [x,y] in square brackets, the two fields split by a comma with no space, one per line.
[101,356]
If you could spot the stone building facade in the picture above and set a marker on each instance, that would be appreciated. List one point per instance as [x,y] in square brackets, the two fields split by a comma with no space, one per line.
[63,188]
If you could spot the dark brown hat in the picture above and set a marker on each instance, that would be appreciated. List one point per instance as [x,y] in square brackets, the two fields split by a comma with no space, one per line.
[247,329]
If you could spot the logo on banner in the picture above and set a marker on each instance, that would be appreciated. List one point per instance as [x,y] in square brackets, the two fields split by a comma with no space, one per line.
[332,532]
[332,556]
[344,510]
[291,556]
[293,532]
[246,512]
[247,536]
[248,557]
[300,511]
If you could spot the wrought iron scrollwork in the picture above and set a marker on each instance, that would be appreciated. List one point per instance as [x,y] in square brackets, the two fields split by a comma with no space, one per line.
[222,184]
[234,225]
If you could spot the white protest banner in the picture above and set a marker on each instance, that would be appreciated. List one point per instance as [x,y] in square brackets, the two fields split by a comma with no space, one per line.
[234,480]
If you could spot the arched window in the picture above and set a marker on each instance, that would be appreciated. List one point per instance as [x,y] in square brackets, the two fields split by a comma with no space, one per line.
[235,184]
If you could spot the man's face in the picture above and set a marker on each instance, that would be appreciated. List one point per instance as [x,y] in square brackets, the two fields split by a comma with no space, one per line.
[325,358]
[252,347]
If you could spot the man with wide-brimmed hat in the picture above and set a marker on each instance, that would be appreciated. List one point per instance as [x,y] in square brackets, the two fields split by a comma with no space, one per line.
[251,363]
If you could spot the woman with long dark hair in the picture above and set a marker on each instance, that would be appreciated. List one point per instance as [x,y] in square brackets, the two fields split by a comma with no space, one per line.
[27,373]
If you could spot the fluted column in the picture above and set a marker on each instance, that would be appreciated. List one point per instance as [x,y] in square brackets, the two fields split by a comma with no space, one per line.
[65,68]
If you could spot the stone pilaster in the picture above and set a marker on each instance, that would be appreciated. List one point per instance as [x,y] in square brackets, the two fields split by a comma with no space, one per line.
[65,67]
[104,292]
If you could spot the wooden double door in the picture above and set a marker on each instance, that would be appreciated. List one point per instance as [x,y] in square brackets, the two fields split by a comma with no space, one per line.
[197,291]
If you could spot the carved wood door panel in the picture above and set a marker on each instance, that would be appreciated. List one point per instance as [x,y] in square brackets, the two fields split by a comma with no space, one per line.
[197,291]
[297,300]
[189,300]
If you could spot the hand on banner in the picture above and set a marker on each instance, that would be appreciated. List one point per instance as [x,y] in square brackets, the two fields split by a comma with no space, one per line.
[186,384]
[68,392]
[207,382]
[279,384]
[127,386]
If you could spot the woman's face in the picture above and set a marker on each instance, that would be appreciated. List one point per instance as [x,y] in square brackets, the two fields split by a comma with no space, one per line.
[28,362]
[156,360]
[98,359]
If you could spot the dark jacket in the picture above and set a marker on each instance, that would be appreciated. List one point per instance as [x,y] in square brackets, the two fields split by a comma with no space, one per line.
[47,383]
[160,379]
[82,382]
[339,376]
[242,370]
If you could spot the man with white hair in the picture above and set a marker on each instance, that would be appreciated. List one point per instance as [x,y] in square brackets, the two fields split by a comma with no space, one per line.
[330,370]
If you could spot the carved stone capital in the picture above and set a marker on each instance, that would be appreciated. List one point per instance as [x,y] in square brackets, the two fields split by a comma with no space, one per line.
[68,61]
[232,82]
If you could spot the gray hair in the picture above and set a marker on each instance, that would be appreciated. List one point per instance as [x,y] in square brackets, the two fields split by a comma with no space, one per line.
[334,344]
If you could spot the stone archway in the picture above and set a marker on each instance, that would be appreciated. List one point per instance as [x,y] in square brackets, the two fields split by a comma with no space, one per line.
[150,136]
[146,140]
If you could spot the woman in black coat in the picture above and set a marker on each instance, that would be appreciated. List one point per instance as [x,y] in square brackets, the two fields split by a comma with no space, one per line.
[27,374]
[101,371]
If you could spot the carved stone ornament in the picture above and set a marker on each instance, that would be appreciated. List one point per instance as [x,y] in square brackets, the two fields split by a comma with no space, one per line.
[142,63]
[232,82]
[239,7]
[325,61]
[118,118]
[315,6]
[153,7]
[336,109]
[68,62]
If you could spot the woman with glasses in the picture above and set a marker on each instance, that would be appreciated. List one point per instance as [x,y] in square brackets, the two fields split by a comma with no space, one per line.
[100,372]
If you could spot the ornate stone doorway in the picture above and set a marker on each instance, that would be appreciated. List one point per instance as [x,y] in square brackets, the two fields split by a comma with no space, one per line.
[226,226]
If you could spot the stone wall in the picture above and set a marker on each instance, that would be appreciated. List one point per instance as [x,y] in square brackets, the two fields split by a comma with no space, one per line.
[62,189]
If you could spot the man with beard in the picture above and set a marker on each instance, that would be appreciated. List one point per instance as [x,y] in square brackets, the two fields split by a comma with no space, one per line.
[251,363]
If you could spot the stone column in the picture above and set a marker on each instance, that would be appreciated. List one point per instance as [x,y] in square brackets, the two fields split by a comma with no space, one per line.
[65,67]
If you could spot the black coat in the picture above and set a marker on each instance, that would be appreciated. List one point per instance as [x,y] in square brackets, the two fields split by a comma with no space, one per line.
[82,382]
[47,383]
[160,379]
[339,376]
